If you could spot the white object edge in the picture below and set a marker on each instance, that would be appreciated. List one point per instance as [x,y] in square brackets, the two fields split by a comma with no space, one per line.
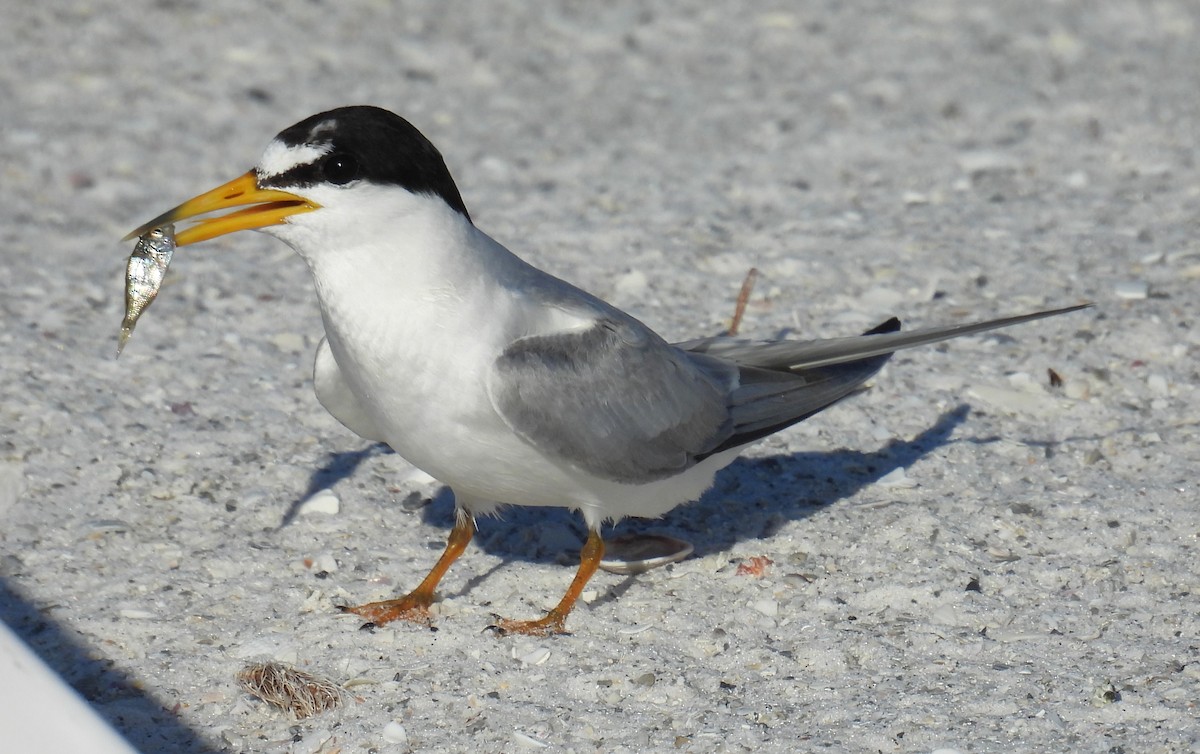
[41,714]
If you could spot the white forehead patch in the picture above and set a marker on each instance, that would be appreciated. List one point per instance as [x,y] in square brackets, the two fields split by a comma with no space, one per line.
[280,158]
[329,124]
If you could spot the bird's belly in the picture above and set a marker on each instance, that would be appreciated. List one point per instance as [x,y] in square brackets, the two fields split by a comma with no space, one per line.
[435,411]
[421,373]
[426,390]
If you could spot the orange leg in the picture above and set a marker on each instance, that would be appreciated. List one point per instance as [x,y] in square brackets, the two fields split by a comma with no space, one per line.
[414,606]
[554,622]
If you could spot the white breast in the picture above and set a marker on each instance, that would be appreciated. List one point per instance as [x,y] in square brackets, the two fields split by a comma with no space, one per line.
[414,321]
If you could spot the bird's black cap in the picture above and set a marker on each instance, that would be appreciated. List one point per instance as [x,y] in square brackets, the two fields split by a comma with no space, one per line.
[371,144]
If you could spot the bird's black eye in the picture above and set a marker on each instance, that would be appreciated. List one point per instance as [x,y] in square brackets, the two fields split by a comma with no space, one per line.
[339,168]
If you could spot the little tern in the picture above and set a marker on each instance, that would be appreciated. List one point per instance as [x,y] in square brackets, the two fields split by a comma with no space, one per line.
[500,380]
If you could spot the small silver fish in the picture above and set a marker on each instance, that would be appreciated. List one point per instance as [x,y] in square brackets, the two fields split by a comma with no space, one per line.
[144,275]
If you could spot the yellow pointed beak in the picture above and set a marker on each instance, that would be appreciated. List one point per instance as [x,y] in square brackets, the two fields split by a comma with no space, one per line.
[263,207]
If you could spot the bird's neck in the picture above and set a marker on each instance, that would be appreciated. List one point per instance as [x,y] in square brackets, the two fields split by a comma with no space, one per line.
[397,295]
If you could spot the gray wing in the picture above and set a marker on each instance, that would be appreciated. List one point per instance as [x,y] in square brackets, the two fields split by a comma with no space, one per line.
[622,404]
[776,391]
[614,400]
[337,397]
[784,382]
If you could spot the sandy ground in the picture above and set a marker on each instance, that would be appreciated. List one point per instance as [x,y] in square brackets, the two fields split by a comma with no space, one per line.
[966,557]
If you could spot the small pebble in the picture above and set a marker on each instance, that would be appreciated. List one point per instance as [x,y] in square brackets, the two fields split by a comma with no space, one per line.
[1078,179]
[496,166]
[1077,389]
[897,478]
[769,608]
[528,742]
[1024,381]
[394,733]
[1132,290]
[944,615]
[1105,694]
[313,742]
[288,342]
[534,657]
[881,298]
[271,644]
[324,502]
[105,526]
[1157,384]
[755,566]
[987,161]
[132,614]
[324,563]
[414,501]
[632,284]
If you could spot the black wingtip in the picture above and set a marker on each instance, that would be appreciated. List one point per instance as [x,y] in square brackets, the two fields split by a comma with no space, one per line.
[892,325]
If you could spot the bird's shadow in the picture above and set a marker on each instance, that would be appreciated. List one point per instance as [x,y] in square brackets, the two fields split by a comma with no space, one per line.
[339,466]
[750,499]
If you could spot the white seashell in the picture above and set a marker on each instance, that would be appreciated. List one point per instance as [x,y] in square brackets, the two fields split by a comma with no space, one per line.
[323,501]
[982,162]
[135,614]
[638,553]
[632,284]
[1132,289]
[313,742]
[534,657]
[897,478]
[324,562]
[529,741]
[288,342]
[394,733]
[767,607]
[1157,384]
